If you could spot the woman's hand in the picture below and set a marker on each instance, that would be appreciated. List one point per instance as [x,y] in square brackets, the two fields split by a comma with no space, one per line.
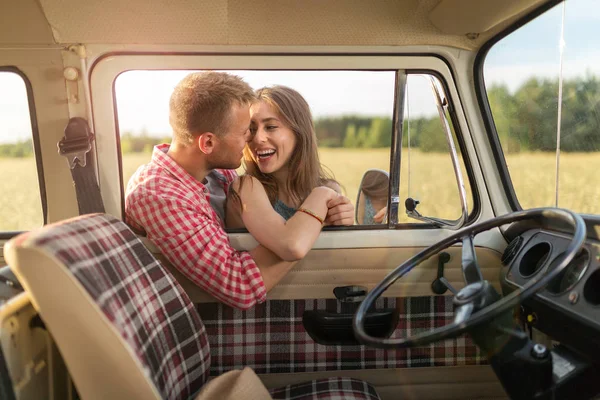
[341,211]
[379,217]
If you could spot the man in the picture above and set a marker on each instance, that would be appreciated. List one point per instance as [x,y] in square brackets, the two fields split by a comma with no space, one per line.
[170,198]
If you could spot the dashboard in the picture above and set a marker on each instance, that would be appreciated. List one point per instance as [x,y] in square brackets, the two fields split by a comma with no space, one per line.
[568,308]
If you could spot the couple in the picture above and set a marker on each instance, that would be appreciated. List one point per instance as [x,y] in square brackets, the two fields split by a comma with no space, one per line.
[178,199]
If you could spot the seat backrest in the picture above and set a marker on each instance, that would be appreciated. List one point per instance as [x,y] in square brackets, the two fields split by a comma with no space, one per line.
[124,326]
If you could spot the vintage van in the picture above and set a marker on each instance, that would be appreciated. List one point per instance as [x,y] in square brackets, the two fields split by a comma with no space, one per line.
[474,125]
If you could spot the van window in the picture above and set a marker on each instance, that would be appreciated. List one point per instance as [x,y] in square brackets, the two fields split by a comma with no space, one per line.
[20,198]
[352,113]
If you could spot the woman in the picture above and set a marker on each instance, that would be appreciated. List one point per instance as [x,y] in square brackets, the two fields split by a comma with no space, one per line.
[372,198]
[285,186]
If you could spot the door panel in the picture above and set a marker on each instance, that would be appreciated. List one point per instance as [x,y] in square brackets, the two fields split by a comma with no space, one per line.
[271,338]
[321,271]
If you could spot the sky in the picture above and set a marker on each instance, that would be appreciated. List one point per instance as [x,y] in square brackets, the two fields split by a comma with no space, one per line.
[328,93]
[142,96]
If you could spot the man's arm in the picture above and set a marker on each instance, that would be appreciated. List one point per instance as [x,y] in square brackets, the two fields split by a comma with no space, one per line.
[199,247]
[272,268]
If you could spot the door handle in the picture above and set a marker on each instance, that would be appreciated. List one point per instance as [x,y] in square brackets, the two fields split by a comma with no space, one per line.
[350,294]
[329,328]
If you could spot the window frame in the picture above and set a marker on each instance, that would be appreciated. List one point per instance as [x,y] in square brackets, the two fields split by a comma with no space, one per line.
[37,151]
[484,105]
[467,161]
[411,63]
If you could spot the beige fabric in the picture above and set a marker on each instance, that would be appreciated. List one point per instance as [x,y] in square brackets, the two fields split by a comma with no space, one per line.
[321,271]
[235,385]
[242,22]
[101,364]
[459,17]
[23,22]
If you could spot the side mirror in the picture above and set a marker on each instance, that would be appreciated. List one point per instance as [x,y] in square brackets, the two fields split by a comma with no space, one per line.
[372,198]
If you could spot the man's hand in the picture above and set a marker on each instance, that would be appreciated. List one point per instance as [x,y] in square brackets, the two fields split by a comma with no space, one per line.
[341,211]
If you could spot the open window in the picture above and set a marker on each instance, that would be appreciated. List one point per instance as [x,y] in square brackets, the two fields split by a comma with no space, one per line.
[355,112]
[352,113]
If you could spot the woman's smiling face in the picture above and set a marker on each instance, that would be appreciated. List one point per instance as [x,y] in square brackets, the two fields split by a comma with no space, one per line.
[272,141]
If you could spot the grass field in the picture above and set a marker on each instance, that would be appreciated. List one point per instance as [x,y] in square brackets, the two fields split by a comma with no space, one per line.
[431,181]
[20,204]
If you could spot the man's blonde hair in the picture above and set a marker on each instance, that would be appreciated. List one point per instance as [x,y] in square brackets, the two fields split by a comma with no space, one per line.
[202,102]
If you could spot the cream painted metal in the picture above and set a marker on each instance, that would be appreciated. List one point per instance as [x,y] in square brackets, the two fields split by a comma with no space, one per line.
[34,364]
[43,67]
[321,271]
[463,66]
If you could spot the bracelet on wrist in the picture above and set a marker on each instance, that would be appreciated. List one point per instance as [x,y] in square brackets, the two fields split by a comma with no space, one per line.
[312,214]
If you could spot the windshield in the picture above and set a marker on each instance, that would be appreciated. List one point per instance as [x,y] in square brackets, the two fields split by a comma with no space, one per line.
[543,87]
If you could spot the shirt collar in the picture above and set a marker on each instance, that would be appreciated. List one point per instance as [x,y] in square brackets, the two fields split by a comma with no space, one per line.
[162,159]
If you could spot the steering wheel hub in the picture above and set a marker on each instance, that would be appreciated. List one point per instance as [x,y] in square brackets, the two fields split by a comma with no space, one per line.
[469,292]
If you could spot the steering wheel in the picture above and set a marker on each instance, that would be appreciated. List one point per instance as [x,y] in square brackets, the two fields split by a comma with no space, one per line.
[478,302]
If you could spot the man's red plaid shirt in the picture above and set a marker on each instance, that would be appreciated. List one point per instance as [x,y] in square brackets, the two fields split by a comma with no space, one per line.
[173,210]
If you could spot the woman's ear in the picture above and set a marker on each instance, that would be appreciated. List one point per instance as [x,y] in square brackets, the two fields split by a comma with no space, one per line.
[206,142]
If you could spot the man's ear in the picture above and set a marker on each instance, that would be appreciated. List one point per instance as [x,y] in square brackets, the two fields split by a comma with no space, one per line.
[206,142]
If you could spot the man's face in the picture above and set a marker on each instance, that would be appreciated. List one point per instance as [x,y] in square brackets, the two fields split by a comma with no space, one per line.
[229,148]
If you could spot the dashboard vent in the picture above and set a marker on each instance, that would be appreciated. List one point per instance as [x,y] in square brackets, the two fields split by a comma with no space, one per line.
[511,250]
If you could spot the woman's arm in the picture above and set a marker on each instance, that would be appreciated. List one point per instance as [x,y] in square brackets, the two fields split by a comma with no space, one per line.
[290,239]
[333,185]
[341,210]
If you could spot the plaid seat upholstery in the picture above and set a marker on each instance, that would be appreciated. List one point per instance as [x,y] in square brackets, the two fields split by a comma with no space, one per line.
[150,310]
[327,389]
[139,297]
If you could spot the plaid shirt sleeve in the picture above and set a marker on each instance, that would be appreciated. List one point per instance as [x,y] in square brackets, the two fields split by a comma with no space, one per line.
[194,242]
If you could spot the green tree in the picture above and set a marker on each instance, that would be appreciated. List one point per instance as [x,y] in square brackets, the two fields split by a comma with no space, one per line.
[380,133]
[503,107]
[362,137]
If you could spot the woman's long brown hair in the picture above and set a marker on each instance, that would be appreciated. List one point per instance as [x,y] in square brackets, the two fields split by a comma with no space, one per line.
[306,171]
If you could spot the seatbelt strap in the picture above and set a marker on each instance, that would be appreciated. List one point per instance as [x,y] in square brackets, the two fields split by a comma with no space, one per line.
[75,146]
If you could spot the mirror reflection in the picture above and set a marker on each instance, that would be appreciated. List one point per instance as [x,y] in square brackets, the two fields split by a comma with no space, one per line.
[371,202]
